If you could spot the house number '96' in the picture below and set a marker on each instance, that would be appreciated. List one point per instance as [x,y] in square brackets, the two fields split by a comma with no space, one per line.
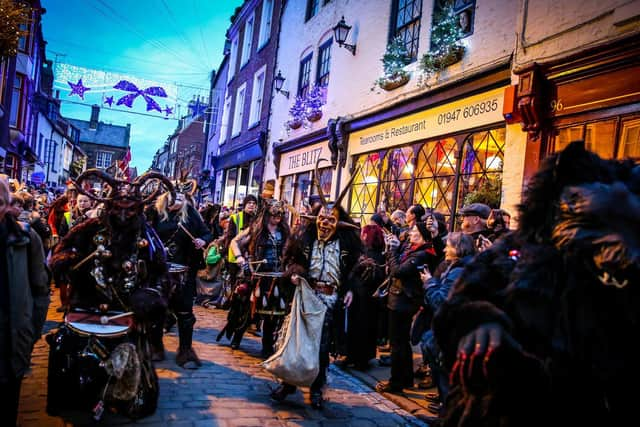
[556,105]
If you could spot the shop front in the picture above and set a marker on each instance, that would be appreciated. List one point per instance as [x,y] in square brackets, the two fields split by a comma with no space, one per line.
[240,173]
[593,96]
[434,157]
[296,170]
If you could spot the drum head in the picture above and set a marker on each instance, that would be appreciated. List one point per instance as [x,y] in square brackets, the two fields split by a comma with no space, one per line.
[176,268]
[90,324]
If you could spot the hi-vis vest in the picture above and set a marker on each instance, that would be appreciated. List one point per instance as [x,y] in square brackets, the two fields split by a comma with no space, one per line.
[238,220]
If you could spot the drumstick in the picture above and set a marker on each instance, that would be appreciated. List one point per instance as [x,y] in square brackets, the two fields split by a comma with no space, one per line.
[186,231]
[105,319]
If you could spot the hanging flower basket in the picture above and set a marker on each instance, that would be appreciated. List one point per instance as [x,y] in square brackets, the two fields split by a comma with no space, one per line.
[294,124]
[314,116]
[394,82]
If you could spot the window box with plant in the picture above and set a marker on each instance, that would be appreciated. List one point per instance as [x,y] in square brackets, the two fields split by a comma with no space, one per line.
[447,49]
[395,58]
[297,113]
[313,103]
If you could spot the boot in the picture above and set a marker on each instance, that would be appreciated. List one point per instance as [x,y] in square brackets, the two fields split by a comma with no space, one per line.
[316,399]
[186,357]
[282,392]
[157,352]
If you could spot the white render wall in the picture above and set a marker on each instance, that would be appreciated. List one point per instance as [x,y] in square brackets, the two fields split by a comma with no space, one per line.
[352,77]
[553,29]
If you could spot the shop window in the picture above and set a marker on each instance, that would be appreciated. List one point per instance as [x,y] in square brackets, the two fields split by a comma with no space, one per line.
[286,194]
[230,187]
[630,140]
[305,76]
[406,24]
[256,177]
[599,137]
[398,169]
[435,175]
[364,190]
[302,189]
[324,64]
[481,164]
[243,185]
[325,175]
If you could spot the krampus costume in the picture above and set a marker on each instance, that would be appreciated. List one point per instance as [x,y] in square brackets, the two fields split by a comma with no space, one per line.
[542,328]
[179,229]
[114,263]
[325,254]
[263,244]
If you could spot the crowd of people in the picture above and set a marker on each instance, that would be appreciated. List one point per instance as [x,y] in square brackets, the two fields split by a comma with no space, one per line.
[471,299]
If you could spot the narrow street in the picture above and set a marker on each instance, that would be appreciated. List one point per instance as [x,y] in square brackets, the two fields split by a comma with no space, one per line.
[231,389]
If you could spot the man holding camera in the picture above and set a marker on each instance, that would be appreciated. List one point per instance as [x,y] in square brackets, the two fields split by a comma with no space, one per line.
[474,222]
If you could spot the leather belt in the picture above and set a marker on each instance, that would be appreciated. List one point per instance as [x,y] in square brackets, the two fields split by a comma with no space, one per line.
[326,288]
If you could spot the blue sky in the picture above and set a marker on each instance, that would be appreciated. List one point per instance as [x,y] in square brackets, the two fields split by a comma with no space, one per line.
[173,44]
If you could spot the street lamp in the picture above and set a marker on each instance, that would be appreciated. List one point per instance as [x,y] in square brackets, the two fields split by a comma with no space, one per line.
[340,32]
[278,81]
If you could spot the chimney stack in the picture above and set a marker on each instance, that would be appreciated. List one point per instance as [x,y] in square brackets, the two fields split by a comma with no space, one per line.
[95,113]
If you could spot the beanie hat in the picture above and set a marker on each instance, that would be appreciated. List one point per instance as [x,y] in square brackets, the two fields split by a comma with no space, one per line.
[249,198]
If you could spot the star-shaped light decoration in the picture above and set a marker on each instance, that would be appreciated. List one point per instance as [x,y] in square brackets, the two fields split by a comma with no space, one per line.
[78,89]
[167,111]
[108,100]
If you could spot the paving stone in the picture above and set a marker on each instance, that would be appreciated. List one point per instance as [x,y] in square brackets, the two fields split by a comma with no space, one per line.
[231,389]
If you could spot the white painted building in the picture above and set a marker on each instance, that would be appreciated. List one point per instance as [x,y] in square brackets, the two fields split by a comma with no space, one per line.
[393,135]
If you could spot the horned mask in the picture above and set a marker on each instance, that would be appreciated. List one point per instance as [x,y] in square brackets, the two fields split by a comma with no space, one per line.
[328,218]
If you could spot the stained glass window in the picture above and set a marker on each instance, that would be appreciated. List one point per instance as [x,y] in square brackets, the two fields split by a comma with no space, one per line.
[426,173]
[398,168]
[364,190]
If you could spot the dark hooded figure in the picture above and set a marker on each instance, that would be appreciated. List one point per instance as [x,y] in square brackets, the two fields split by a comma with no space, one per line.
[546,321]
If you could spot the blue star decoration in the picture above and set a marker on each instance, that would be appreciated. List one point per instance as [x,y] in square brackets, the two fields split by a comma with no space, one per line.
[108,100]
[167,111]
[78,89]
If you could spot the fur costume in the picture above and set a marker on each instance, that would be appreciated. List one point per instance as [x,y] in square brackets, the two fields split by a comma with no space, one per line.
[546,321]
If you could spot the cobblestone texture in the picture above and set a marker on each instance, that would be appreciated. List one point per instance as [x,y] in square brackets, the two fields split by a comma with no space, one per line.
[231,389]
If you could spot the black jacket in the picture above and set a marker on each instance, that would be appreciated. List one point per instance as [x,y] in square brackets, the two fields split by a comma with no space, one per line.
[405,292]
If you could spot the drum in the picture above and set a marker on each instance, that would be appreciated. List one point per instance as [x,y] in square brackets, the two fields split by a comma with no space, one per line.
[177,276]
[99,325]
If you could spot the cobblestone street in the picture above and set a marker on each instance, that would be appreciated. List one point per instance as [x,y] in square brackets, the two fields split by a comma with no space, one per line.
[231,389]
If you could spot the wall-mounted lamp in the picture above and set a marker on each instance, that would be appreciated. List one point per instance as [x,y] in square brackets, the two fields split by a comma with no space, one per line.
[278,81]
[340,32]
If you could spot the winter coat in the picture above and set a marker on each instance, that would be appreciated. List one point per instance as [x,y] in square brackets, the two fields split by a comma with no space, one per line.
[405,292]
[28,291]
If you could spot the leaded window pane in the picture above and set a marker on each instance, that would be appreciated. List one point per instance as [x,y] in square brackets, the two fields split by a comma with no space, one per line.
[364,190]
[435,175]
[397,170]
[407,24]
[482,161]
